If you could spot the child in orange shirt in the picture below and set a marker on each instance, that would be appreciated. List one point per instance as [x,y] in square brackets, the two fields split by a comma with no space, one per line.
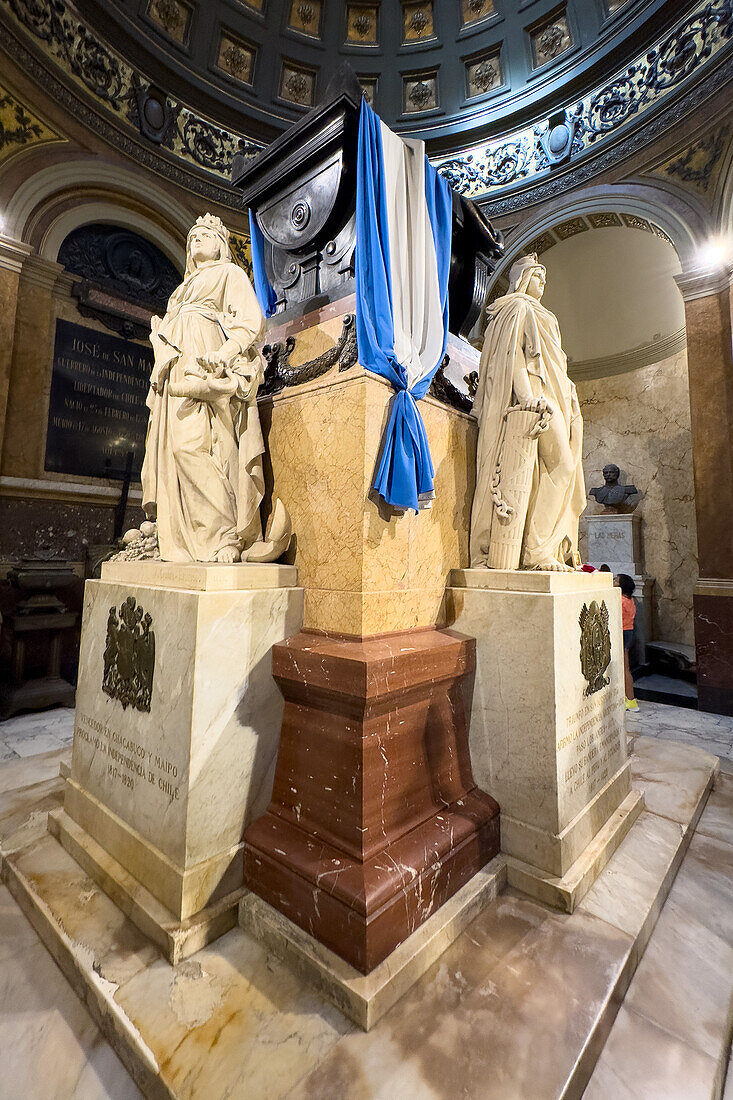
[628,614]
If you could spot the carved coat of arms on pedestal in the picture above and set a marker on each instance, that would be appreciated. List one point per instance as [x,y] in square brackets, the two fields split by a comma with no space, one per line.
[129,656]
[595,645]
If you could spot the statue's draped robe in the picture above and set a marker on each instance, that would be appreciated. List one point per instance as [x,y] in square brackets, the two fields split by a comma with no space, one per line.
[523,332]
[202,472]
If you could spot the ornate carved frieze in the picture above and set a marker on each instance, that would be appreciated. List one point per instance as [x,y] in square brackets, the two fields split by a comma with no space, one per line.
[620,102]
[106,93]
[125,93]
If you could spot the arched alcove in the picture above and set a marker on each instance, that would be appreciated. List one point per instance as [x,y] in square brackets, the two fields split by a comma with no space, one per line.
[54,201]
[611,284]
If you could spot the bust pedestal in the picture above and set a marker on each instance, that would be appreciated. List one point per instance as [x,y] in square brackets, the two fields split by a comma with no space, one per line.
[615,540]
[548,743]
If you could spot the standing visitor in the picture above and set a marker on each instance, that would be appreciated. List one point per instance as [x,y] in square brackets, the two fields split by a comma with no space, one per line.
[628,614]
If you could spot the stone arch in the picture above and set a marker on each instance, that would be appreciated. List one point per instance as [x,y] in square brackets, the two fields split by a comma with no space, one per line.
[56,200]
[680,222]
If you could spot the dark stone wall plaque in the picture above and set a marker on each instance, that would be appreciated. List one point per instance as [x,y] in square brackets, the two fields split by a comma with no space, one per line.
[97,411]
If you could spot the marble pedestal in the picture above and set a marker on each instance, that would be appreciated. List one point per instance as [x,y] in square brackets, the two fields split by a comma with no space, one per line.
[158,799]
[548,744]
[614,539]
[365,569]
[375,820]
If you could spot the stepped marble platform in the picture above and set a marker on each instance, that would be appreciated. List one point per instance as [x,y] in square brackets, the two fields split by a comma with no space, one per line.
[522,987]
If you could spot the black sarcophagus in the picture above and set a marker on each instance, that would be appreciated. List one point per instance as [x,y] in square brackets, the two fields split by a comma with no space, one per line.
[302,191]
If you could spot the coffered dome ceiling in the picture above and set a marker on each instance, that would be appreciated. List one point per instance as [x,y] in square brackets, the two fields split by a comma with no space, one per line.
[440,68]
[511,95]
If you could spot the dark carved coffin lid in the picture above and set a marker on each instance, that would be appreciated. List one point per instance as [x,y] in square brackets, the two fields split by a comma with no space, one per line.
[331,124]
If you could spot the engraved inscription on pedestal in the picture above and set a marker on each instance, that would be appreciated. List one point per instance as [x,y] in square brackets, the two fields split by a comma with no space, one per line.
[126,760]
[595,645]
[590,752]
[129,656]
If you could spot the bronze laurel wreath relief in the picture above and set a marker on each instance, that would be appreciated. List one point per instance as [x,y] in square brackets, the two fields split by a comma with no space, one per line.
[595,645]
[129,656]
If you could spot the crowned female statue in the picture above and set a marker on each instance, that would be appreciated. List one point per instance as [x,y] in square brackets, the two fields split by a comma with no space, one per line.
[202,473]
[530,490]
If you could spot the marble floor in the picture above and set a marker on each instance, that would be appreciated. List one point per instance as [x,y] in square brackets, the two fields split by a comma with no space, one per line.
[662,1043]
[31,734]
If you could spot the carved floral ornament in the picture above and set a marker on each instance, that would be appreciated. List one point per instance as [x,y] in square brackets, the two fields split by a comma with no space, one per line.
[486,74]
[122,93]
[20,128]
[603,112]
[551,42]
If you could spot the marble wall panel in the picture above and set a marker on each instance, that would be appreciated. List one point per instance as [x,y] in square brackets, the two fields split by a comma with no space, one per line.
[24,441]
[365,568]
[641,421]
[8,304]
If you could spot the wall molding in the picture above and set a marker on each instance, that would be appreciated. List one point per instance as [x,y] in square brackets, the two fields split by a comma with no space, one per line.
[64,492]
[626,361]
[703,284]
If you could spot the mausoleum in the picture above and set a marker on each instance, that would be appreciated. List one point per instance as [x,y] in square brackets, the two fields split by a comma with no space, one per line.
[366,549]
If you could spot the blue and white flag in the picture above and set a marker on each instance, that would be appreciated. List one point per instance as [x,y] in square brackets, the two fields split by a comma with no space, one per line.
[403,245]
[263,288]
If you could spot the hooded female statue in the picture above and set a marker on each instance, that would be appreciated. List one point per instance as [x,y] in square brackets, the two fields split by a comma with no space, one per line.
[202,473]
[530,489]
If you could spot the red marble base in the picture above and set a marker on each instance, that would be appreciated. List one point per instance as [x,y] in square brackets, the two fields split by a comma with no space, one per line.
[375,819]
[714,648]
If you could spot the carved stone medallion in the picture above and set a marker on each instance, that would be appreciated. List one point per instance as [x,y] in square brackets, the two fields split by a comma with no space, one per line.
[129,656]
[595,645]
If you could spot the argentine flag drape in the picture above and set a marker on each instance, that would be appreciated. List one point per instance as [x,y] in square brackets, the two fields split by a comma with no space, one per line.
[264,291]
[403,244]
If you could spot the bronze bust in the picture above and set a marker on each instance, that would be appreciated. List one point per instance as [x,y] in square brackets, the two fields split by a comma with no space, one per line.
[611,494]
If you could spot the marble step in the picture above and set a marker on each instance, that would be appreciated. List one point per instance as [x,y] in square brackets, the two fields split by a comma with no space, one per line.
[519,1006]
[672,1035]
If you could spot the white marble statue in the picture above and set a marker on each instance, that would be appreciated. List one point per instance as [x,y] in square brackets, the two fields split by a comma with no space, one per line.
[530,490]
[202,474]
